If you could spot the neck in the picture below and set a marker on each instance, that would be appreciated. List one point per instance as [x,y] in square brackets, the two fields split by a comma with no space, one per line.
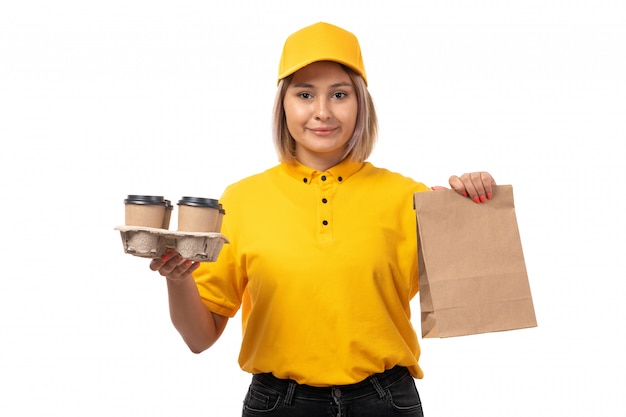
[319,162]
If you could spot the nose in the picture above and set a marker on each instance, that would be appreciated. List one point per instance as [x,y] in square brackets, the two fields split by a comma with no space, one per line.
[322,109]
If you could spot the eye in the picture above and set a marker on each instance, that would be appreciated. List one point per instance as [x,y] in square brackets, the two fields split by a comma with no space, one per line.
[339,95]
[305,96]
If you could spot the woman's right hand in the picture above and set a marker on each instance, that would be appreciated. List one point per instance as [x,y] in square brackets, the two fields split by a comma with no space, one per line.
[173,266]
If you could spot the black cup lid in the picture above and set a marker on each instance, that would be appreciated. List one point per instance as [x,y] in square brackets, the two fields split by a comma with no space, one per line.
[145,199]
[199,202]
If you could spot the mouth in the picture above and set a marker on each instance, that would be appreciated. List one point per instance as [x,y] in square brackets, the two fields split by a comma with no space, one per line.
[323,131]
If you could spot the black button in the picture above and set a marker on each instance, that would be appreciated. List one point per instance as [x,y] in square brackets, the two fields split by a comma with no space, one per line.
[325,222]
[324,201]
[339,179]
[323,177]
[305,180]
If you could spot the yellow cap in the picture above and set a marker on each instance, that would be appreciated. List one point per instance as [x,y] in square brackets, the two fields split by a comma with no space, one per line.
[320,42]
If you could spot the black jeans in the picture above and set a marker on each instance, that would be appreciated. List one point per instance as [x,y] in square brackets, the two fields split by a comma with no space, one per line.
[391,393]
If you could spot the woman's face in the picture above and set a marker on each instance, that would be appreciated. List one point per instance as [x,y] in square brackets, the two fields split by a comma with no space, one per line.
[321,111]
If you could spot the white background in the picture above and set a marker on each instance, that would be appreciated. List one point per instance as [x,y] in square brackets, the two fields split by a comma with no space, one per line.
[103,99]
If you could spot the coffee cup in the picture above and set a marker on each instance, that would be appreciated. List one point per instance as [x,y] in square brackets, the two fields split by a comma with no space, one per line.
[220,216]
[144,211]
[197,214]
[168,214]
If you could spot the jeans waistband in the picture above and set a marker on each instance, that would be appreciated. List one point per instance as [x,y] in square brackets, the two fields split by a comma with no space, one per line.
[374,383]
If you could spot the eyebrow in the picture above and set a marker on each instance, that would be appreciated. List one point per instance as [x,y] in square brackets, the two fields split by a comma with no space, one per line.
[336,85]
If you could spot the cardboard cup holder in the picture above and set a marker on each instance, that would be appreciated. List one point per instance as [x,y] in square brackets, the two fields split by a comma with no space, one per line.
[147,219]
[149,242]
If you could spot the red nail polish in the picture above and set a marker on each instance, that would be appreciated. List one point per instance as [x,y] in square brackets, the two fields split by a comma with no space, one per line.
[464,193]
[488,196]
[164,258]
[482,199]
[187,263]
[476,200]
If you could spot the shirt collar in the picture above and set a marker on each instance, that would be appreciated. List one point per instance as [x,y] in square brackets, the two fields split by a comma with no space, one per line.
[341,172]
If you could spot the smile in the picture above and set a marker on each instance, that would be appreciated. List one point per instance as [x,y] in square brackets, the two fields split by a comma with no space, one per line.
[323,132]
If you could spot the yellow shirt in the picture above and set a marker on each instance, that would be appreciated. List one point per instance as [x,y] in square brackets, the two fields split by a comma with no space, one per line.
[323,265]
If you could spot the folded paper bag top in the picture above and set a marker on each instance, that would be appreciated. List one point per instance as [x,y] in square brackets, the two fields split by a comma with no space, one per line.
[472,274]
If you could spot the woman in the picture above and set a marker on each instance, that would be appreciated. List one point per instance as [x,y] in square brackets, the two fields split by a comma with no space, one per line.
[322,257]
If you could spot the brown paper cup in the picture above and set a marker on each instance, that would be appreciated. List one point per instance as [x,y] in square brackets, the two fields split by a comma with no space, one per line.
[220,216]
[196,214]
[144,211]
[168,214]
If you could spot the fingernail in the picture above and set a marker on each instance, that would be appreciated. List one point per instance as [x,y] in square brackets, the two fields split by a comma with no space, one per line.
[476,199]
[464,193]
[188,263]
[164,258]
[482,199]
[488,196]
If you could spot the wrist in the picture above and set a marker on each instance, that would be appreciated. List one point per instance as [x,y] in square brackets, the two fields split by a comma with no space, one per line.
[179,279]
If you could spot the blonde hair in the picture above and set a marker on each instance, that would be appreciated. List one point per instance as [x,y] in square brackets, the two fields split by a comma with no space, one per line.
[363,139]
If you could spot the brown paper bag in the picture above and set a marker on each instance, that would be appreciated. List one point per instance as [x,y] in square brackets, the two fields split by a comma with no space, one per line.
[472,275]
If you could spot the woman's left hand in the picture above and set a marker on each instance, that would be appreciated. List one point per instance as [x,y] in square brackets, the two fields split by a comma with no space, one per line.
[476,185]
